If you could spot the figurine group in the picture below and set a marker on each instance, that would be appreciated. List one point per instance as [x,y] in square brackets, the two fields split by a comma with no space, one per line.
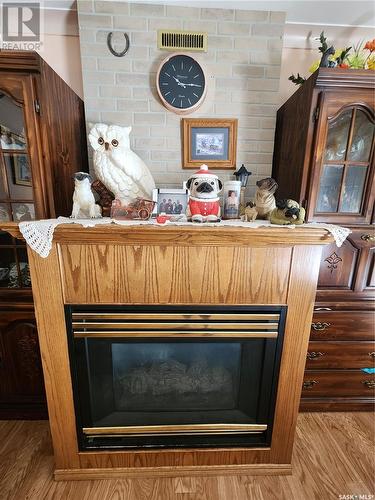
[125,175]
[266,206]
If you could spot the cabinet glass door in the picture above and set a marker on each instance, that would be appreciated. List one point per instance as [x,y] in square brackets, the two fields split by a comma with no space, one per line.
[16,191]
[346,163]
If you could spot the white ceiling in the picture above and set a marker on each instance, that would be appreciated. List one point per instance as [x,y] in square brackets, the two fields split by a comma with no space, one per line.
[319,12]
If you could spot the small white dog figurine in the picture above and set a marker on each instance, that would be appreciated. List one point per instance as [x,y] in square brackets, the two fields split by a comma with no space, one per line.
[84,205]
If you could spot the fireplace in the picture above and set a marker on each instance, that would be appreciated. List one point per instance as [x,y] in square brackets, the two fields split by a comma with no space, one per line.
[174,376]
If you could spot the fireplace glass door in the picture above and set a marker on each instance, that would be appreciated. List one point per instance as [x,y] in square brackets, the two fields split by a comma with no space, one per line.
[168,376]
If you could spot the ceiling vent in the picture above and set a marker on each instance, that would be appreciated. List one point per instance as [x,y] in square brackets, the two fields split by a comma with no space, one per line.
[182,40]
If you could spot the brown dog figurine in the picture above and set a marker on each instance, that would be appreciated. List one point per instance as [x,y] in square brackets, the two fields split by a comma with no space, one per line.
[287,212]
[264,197]
[250,212]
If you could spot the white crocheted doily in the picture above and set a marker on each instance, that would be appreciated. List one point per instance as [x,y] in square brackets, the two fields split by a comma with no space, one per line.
[39,233]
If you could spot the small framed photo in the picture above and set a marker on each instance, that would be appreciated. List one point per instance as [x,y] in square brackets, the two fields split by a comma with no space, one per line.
[22,172]
[231,199]
[211,141]
[170,201]
[23,211]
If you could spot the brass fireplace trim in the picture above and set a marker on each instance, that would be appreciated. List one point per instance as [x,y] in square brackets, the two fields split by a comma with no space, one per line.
[177,334]
[175,316]
[164,430]
[175,326]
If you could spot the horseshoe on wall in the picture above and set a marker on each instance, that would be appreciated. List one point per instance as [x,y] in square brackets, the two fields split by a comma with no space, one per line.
[112,50]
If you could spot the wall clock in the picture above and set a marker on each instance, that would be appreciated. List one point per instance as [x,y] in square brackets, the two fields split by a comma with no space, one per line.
[181,83]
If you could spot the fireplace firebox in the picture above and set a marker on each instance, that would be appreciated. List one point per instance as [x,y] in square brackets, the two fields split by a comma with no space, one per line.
[174,376]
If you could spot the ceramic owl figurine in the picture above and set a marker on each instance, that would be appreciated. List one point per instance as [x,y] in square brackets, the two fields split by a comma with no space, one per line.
[117,166]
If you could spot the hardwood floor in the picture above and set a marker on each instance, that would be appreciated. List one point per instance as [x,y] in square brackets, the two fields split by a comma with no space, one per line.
[333,455]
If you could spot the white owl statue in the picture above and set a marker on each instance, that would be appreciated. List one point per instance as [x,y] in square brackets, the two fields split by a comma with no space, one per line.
[117,166]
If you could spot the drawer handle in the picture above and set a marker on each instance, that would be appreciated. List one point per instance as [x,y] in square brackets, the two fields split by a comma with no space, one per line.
[310,383]
[367,237]
[319,327]
[369,383]
[372,354]
[322,309]
[315,355]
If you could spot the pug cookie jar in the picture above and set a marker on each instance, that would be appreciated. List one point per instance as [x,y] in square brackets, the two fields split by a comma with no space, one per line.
[204,188]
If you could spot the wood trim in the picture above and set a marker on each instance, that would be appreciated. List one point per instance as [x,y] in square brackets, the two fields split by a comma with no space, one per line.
[19,60]
[337,404]
[300,301]
[175,471]
[337,77]
[175,429]
[46,280]
[153,235]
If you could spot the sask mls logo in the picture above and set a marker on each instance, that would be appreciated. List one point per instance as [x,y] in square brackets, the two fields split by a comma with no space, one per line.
[20,25]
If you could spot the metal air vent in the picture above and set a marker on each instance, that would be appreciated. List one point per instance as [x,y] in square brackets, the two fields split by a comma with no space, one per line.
[185,40]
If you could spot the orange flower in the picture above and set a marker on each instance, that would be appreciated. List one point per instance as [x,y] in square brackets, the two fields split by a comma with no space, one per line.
[344,66]
[370,45]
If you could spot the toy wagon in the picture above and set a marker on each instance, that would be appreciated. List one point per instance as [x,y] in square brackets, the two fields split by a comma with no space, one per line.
[138,209]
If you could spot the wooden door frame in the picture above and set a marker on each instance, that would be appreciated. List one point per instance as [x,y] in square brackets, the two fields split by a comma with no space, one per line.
[317,163]
[42,188]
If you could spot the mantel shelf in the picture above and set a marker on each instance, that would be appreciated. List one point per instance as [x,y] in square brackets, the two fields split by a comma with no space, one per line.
[184,235]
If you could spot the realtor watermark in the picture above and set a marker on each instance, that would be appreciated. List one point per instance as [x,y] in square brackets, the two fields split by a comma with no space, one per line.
[21,25]
[356,497]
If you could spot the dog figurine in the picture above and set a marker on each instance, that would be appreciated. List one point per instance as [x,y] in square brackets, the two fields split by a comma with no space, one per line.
[287,212]
[264,197]
[84,205]
[250,212]
[204,188]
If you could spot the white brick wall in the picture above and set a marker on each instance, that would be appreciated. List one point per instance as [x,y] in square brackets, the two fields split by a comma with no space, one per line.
[242,63]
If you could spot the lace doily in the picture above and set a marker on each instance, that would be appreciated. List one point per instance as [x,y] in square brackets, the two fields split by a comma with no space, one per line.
[39,234]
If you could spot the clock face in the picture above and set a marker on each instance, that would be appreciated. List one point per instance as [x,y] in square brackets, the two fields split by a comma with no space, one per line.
[181,83]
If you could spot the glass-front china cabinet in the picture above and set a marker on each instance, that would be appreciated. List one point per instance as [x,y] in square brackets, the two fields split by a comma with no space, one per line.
[39,114]
[324,159]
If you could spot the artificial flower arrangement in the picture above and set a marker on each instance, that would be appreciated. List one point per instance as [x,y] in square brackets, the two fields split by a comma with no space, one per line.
[361,57]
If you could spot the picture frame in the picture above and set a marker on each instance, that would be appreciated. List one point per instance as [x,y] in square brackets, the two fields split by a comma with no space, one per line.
[175,201]
[22,172]
[212,141]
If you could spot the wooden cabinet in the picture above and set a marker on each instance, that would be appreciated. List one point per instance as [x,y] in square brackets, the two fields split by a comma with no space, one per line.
[42,143]
[324,159]
[21,376]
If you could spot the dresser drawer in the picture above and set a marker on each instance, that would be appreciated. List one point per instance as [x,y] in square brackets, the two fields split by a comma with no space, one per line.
[335,383]
[328,354]
[343,325]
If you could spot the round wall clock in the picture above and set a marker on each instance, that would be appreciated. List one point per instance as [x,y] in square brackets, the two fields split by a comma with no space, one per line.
[181,83]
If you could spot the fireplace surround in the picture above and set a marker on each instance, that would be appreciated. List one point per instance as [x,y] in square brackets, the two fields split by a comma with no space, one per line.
[174,376]
[188,272]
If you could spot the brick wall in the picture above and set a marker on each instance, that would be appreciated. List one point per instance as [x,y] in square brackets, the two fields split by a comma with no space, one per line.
[243,69]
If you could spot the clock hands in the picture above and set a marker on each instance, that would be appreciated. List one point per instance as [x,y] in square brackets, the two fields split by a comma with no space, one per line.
[183,85]
[192,85]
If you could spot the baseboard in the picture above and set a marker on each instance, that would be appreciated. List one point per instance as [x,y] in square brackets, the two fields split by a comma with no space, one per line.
[137,472]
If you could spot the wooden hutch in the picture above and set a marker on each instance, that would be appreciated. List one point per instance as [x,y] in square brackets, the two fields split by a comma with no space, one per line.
[324,159]
[42,133]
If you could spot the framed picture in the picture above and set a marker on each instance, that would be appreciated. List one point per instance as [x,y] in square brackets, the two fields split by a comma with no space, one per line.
[23,211]
[170,201]
[22,172]
[211,141]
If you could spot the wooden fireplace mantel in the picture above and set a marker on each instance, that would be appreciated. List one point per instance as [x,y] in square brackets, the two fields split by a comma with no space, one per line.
[174,265]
